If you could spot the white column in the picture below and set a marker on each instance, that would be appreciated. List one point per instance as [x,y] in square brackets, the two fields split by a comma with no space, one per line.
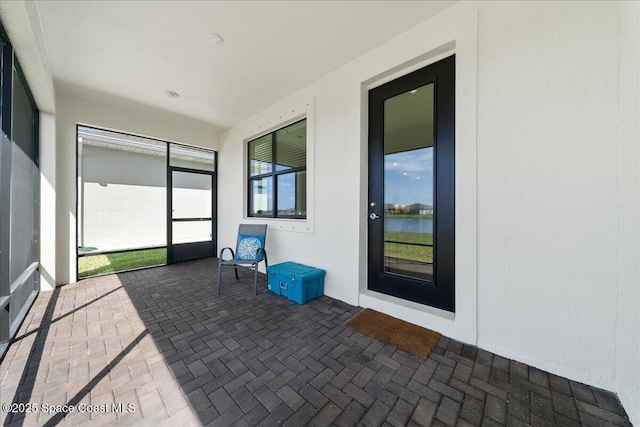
[47,201]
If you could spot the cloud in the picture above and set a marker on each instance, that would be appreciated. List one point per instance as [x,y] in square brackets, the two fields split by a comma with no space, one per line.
[409,177]
[413,162]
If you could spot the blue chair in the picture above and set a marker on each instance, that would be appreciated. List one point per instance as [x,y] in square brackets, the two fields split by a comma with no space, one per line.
[249,252]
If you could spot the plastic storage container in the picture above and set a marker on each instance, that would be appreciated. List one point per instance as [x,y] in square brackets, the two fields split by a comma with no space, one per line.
[297,282]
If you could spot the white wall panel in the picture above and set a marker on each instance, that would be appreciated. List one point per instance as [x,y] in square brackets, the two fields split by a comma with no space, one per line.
[47,124]
[627,363]
[547,185]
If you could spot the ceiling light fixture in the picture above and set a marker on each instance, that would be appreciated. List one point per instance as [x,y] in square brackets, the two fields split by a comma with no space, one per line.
[172,94]
[216,38]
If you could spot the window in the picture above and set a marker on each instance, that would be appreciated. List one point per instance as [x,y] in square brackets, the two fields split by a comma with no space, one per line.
[113,233]
[277,184]
[19,195]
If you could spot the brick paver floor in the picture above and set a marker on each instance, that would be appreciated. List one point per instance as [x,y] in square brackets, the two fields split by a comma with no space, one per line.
[157,347]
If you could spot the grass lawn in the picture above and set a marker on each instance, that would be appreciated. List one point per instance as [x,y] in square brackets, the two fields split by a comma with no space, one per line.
[120,261]
[406,249]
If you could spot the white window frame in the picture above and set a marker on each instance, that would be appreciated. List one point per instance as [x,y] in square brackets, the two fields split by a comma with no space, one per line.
[267,123]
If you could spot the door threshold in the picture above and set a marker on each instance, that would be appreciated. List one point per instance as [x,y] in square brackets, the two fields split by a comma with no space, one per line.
[419,314]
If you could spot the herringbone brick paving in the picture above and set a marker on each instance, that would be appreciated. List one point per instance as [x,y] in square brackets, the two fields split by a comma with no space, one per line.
[161,341]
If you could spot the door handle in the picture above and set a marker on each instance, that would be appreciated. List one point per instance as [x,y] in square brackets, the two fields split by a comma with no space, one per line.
[373,216]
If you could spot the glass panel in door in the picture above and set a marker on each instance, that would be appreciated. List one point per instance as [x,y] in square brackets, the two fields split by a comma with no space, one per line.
[191,196]
[409,183]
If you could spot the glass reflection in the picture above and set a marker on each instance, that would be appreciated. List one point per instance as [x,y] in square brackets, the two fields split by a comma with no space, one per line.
[260,156]
[261,199]
[409,183]
[292,195]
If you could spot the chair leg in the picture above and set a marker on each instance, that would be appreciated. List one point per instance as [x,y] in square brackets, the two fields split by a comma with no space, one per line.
[219,275]
[266,264]
[255,281]
[236,269]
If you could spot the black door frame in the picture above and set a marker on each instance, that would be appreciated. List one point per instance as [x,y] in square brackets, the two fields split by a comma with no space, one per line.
[196,250]
[440,292]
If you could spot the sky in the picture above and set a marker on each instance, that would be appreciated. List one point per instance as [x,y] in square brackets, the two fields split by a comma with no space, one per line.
[409,177]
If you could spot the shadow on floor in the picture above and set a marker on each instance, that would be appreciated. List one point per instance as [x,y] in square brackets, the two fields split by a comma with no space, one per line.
[161,340]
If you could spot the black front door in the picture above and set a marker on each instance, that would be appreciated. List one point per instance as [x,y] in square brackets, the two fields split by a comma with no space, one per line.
[412,186]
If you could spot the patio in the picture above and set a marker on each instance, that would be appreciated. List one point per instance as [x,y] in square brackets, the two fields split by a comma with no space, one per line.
[159,342]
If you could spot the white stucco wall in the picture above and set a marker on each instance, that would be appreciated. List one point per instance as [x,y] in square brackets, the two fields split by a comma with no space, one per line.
[47,124]
[71,111]
[548,201]
[627,362]
[543,156]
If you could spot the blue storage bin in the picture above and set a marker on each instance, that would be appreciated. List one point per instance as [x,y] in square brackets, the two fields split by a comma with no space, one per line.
[297,282]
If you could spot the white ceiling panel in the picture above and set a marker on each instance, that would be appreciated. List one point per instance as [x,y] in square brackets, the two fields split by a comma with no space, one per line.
[137,50]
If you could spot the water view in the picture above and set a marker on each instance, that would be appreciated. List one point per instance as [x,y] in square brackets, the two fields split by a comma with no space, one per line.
[412,225]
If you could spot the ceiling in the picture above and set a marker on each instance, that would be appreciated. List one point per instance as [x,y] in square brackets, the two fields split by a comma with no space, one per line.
[132,52]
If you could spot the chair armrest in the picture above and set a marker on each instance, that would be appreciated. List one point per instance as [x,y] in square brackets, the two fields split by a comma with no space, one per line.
[233,255]
[264,255]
